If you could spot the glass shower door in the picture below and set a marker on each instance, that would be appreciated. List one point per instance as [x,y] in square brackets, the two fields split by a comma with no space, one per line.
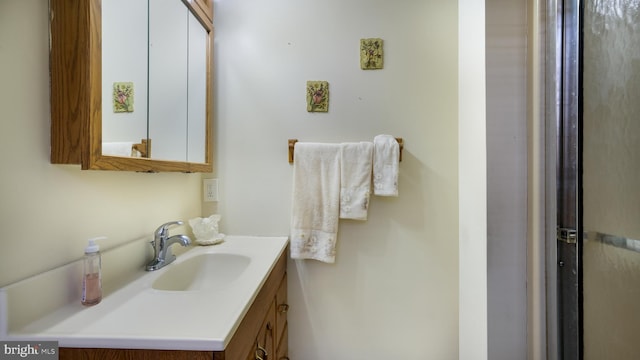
[611,179]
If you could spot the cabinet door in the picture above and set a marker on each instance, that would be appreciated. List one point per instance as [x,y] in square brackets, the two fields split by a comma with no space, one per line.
[282,307]
[265,342]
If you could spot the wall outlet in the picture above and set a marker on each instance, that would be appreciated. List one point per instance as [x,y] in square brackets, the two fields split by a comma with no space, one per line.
[210,190]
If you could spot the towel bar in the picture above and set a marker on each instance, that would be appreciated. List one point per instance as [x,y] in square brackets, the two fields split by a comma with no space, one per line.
[144,148]
[292,144]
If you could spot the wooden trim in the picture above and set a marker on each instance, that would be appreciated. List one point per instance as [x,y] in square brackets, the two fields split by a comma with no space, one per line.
[128,354]
[144,148]
[202,12]
[76,93]
[93,130]
[70,88]
[209,111]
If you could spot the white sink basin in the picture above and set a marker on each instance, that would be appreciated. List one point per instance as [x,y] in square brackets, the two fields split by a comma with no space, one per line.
[202,272]
[218,283]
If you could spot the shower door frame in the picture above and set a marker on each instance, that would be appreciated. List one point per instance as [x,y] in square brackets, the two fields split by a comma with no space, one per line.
[564,175]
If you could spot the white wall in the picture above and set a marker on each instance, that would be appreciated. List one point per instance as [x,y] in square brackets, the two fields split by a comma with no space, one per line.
[473,334]
[393,291]
[506,42]
[48,211]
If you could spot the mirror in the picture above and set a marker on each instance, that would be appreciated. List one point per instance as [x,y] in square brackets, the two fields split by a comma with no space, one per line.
[139,97]
[154,57]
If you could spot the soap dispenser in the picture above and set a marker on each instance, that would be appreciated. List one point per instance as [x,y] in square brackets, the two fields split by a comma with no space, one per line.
[92,276]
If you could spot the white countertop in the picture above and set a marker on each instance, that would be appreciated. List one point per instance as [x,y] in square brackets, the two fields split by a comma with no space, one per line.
[137,316]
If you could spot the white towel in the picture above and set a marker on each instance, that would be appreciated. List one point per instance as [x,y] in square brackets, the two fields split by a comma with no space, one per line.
[316,201]
[117,148]
[386,155]
[355,184]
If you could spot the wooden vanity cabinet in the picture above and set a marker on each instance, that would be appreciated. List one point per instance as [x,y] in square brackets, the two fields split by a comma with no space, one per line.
[264,325]
[272,337]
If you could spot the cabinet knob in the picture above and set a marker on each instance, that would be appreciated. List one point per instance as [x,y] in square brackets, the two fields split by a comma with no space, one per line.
[283,308]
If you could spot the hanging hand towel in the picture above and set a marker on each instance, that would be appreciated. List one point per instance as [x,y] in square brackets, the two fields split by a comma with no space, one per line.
[386,155]
[355,184]
[316,201]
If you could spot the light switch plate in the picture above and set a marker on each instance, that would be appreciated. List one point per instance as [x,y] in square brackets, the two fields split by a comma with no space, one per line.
[210,190]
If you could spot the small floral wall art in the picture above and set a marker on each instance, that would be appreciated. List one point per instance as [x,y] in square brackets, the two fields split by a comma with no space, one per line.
[122,97]
[317,96]
[371,54]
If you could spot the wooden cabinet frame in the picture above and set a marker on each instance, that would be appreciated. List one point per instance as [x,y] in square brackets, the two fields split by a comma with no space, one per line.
[76,90]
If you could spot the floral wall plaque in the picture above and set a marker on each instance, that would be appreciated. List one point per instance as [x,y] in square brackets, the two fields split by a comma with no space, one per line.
[317,96]
[371,54]
[122,97]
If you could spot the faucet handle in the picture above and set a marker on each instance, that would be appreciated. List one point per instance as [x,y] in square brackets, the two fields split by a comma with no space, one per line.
[162,229]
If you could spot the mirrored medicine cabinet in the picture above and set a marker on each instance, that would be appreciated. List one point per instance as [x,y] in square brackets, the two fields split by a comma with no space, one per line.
[131,84]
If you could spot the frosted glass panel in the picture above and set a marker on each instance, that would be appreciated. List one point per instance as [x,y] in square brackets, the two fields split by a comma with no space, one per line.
[611,174]
[612,117]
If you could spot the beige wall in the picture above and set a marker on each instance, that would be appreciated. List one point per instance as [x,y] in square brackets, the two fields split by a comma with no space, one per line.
[48,211]
[393,291]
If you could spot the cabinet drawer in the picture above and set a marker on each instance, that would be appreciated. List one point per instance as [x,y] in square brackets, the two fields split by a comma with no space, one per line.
[283,347]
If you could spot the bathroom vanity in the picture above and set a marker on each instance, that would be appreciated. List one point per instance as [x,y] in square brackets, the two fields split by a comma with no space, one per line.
[262,333]
[221,302]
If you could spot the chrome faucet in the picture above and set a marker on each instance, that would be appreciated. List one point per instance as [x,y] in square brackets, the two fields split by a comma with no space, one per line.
[161,244]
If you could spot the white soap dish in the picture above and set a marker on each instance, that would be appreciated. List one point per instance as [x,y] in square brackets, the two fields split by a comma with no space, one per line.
[206,230]
[216,240]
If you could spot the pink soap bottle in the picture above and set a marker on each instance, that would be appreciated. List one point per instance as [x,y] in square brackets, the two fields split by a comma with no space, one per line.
[92,276]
